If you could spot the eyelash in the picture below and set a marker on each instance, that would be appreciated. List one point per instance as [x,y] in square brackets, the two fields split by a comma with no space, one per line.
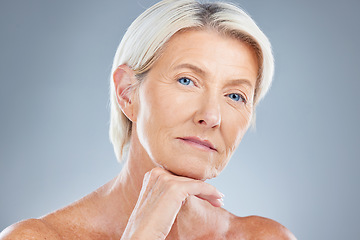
[185,78]
[240,96]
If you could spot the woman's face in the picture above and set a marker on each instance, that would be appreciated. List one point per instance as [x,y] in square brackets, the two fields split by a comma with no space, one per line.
[195,104]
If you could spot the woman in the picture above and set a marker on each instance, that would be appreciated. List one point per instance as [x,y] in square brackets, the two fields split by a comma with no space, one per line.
[186,80]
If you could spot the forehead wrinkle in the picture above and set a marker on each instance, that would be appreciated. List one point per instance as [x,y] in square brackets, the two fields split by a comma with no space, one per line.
[177,59]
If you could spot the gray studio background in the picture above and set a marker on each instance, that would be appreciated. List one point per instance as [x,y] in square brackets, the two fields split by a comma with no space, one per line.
[300,167]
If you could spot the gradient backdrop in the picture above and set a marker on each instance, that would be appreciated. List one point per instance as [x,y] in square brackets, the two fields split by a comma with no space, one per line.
[300,167]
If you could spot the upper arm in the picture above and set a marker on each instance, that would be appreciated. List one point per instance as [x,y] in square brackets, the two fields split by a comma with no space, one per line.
[255,227]
[29,229]
[265,228]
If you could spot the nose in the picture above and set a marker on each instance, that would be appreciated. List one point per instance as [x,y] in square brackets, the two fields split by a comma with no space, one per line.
[208,113]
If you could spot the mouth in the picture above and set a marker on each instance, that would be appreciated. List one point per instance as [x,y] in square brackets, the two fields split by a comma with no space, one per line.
[199,143]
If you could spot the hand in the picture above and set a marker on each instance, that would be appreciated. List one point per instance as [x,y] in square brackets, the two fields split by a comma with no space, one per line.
[161,197]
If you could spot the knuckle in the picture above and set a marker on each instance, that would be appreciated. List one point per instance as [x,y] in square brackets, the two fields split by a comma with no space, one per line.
[176,190]
[155,172]
[164,179]
[169,184]
[173,186]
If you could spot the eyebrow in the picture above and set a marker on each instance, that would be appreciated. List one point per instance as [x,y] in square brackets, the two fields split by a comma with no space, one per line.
[192,67]
[203,73]
[239,82]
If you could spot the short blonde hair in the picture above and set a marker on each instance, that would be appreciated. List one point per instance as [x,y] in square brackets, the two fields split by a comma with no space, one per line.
[146,36]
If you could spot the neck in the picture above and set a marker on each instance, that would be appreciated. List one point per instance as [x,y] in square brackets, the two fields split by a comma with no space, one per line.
[131,177]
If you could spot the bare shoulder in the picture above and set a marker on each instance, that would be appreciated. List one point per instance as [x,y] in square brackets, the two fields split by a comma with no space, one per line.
[79,220]
[255,227]
[29,229]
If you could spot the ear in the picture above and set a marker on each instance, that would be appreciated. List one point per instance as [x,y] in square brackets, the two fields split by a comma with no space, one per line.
[124,78]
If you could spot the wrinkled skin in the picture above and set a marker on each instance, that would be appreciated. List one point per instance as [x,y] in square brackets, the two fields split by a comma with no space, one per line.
[189,115]
[168,110]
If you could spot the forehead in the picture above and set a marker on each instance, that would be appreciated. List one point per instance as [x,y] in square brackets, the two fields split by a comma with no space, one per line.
[210,52]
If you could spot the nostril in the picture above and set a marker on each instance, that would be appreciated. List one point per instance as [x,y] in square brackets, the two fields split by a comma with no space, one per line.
[201,121]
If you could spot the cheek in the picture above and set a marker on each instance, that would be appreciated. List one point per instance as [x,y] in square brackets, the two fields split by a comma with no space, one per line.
[161,110]
[147,123]
[235,127]
[167,107]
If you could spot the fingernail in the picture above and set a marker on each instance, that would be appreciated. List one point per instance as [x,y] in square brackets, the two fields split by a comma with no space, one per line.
[221,201]
[222,195]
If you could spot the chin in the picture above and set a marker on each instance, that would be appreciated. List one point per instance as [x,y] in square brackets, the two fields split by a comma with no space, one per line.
[196,164]
[201,173]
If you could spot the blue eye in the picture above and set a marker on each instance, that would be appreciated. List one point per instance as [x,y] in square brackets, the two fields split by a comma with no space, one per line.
[236,97]
[185,81]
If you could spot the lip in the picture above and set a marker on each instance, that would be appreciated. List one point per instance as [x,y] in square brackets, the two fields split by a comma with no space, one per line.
[200,143]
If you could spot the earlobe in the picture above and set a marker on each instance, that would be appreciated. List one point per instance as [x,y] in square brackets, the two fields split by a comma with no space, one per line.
[124,78]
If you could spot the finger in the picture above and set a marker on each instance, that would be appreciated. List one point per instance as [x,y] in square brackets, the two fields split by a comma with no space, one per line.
[186,186]
[215,202]
[205,192]
[149,180]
